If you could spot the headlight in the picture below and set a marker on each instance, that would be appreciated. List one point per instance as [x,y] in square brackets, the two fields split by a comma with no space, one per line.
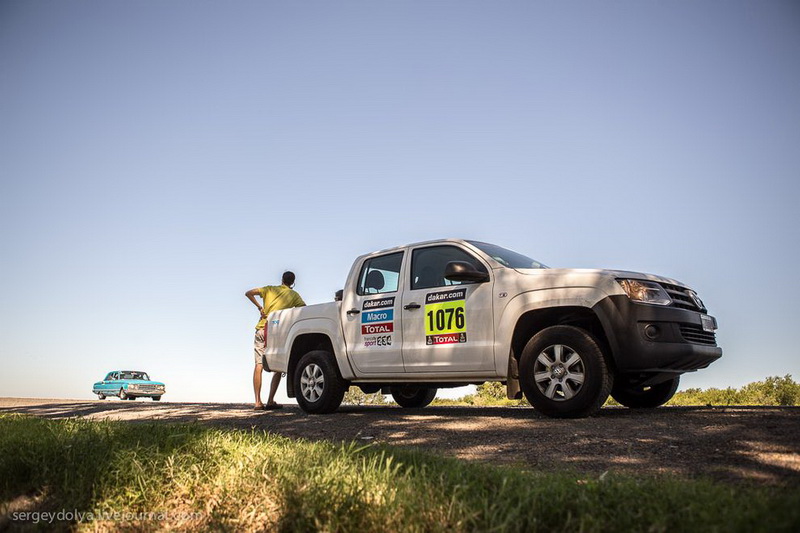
[647,292]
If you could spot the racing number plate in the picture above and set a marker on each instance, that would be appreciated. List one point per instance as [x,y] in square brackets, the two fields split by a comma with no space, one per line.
[445,317]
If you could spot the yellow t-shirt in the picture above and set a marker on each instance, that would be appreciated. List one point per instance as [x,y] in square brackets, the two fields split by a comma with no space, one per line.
[277,297]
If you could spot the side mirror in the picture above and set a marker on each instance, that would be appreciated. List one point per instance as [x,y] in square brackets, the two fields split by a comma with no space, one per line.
[337,297]
[463,271]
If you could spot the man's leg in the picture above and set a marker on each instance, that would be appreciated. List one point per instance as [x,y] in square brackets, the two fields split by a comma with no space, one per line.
[257,384]
[273,387]
[258,352]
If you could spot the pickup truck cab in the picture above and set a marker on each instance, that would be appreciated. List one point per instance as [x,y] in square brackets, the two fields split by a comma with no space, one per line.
[453,312]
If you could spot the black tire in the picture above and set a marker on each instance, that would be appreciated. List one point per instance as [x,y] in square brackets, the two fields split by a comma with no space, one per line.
[101,396]
[639,397]
[131,398]
[318,386]
[413,397]
[122,395]
[563,373]
[156,398]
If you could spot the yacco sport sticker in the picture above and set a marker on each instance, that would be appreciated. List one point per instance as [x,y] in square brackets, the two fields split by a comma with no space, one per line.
[380,340]
[378,304]
[445,317]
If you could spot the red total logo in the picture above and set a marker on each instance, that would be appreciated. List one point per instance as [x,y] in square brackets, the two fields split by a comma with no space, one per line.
[374,329]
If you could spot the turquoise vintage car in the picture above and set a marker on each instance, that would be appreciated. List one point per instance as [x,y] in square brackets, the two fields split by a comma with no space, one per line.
[128,385]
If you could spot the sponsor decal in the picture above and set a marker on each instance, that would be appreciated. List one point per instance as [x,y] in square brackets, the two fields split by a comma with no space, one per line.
[449,296]
[380,340]
[378,304]
[446,317]
[275,322]
[450,338]
[377,319]
[372,329]
[383,315]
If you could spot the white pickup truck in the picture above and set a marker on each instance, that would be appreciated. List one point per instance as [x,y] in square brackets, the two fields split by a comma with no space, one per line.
[452,312]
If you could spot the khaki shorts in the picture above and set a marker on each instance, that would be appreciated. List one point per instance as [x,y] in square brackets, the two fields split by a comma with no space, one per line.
[260,348]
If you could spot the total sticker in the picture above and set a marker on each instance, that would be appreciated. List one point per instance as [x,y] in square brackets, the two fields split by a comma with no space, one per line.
[445,317]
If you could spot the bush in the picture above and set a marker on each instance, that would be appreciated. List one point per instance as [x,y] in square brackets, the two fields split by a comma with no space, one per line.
[355,396]
[772,391]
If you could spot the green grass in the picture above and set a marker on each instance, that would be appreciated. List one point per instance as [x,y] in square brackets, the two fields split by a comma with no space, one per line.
[250,480]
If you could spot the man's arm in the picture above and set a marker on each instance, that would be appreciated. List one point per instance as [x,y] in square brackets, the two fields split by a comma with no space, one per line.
[251,295]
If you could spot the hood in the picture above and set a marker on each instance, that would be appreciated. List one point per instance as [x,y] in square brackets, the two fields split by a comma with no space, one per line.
[590,276]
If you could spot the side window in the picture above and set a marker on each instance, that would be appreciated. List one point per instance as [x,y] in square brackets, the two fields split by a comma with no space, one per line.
[380,274]
[427,265]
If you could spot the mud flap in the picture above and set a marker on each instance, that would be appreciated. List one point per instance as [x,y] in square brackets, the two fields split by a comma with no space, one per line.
[513,390]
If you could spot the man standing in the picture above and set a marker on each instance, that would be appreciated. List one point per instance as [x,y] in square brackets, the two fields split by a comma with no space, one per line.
[273,298]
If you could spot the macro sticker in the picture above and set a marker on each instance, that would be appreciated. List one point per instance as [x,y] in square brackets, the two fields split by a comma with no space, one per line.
[445,317]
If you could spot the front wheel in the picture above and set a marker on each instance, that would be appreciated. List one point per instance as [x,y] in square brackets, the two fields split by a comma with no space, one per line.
[563,373]
[411,397]
[317,383]
[639,397]
[122,394]
[156,398]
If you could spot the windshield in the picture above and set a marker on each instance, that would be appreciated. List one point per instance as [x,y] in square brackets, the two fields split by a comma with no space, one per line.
[507,258]
[135,375]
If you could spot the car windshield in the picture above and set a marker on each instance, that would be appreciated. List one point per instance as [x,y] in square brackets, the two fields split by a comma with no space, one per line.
[135,375]
[505,257]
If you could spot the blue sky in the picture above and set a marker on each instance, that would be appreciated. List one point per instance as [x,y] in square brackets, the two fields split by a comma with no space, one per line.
[158,159]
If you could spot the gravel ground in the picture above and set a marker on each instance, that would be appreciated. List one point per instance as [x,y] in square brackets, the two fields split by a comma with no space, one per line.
[735,444]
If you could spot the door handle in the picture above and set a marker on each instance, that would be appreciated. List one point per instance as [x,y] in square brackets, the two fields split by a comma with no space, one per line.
[353,312]
[412,306]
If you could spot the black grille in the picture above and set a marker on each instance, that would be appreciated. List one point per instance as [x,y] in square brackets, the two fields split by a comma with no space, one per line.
[681,298]
[696,335]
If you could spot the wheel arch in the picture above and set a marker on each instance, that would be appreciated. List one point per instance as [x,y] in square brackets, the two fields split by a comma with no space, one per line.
[307,342]
[532,322]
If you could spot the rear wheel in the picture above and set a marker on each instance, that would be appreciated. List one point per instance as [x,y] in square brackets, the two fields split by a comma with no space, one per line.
[101,396]
[411,397]
[156,398]
[640,397]
[563,373]
[317,383]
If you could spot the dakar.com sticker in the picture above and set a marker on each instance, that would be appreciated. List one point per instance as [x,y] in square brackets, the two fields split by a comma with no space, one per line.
[377,322]
[445,317]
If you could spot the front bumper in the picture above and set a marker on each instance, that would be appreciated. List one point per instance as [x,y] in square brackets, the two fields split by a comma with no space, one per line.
[676,342]
[145,393]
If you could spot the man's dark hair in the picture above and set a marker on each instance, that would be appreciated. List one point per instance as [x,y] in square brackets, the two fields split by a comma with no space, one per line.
[288,278]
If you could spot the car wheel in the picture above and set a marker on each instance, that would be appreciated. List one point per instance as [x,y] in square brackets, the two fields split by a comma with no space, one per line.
[122,395]
[156,398]
[131,398]
[639,397]
[411,397]
[317,383]
[563,373]
[101,396]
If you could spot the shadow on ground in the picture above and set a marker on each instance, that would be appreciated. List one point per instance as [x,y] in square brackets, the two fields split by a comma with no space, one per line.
[752,444]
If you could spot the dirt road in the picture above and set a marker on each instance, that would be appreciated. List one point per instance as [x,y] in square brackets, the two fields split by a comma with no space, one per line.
[735,444]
